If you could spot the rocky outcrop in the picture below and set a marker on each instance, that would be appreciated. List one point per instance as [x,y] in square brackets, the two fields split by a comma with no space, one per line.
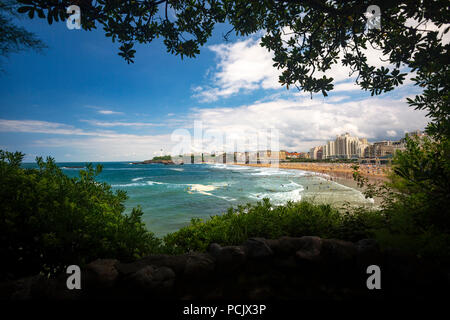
[154,161]
[286,268]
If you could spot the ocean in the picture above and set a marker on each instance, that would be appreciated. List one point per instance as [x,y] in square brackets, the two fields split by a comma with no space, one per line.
[171,195]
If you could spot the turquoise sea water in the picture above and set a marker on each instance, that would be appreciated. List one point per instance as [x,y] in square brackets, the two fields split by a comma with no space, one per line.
[171,195]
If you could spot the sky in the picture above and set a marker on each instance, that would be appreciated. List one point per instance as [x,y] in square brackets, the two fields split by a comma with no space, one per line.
[79,100]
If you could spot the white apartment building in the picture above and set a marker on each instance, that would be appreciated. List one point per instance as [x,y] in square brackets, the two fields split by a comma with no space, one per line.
[344,147]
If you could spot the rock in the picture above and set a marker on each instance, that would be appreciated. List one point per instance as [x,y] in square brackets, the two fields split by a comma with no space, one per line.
[227,258]
[165,162]
[310,248]
[257,248]
[286,262]
[274,244]
[199,265]
[176,263]
[295,268]
[41,287]
[289,245]
[102,272]
[311,255]
[367,246]
[338,250]
[157,280]
[214,249]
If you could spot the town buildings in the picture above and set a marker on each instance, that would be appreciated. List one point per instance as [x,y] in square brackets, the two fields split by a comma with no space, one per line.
[346,146]
[297,155]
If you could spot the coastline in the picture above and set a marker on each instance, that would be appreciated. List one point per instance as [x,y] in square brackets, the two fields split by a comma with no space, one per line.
[339,173]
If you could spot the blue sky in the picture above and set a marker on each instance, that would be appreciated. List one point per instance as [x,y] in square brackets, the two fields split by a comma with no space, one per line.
[79,101]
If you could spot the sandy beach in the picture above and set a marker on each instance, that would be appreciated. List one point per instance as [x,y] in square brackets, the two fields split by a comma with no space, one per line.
[336,170]
[341,173]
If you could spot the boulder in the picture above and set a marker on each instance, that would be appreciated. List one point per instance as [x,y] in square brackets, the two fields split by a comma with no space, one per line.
[257,248]
[309,248]
[41,287]
[152,279]
[338,250]
[287,246]
[102,272]
[227,258]
[199,265]
[175,262]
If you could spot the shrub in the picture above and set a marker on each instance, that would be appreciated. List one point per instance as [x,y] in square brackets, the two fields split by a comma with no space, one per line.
[268,221]
[416,198]
[49,221]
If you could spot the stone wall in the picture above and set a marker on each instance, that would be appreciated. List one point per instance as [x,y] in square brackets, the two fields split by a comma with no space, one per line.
[260,269]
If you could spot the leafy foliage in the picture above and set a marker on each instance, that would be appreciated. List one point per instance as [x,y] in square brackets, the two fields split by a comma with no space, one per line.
[421,175]
[306,37]
[49,221]
[268,221]
[12,37]
[163,158]
[416,200]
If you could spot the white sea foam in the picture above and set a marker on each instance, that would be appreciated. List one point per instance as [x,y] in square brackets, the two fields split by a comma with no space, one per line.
[229,167]
[121,169]
[205,190]
[201,188]
[291,184]
[137,184]
[278,172]
[224,197]
[280,197]
[221,184]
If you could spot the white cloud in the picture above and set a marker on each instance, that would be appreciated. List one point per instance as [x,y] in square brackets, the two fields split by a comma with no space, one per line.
[109,112]
[103,110]
[337,98]
[303,123]
[35,126]
[88,145]
[118,147]
[243,65]
[346,86]
[121,123]
[246,66]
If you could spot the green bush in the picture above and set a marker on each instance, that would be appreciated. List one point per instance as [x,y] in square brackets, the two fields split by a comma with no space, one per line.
[421,177]
[49,221]
[415,200]
[268,221]
[162,158]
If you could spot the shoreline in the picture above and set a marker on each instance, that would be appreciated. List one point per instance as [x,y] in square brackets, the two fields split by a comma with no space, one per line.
[331,172]
[338,171]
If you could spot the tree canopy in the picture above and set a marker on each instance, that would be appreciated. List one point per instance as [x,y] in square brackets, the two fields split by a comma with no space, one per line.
[12,37]
[306,37]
